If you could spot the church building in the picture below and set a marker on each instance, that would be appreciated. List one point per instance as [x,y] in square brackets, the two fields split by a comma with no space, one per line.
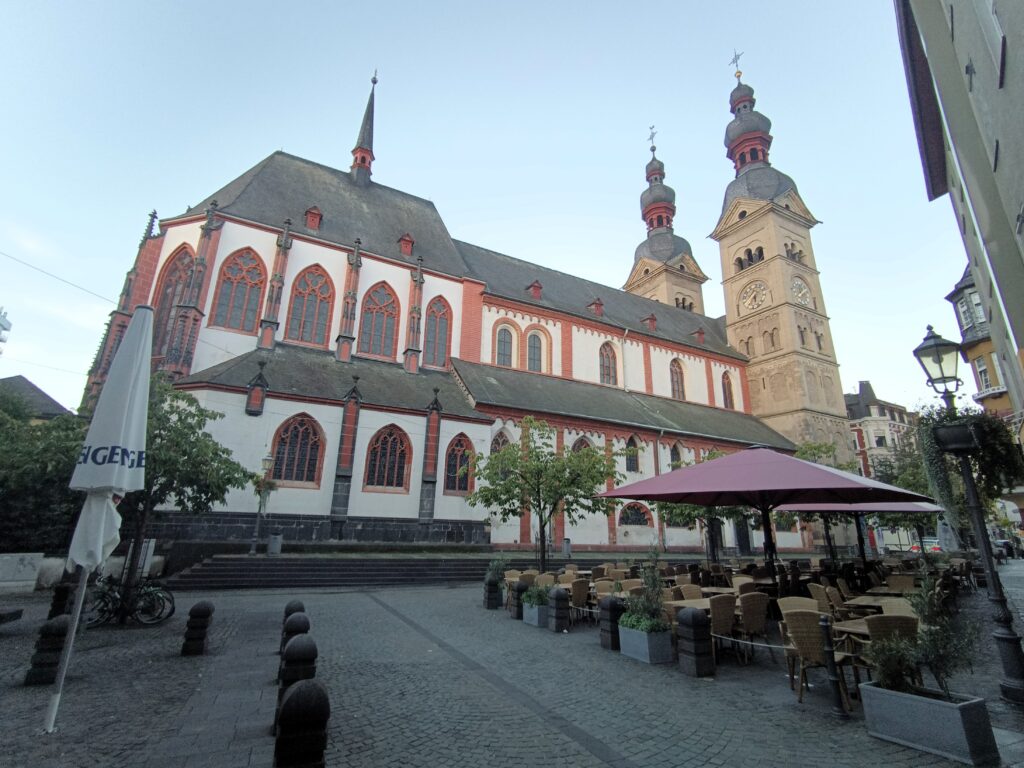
[344,332]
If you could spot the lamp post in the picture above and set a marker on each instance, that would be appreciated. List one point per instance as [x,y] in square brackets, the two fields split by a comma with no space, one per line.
[939,358]
[267,464]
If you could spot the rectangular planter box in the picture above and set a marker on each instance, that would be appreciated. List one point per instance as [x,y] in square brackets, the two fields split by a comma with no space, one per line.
[648,647]
[959,729]
[537,615]
[19,571]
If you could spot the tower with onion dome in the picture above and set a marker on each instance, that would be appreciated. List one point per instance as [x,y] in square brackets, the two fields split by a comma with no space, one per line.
[774,308]
[663,265]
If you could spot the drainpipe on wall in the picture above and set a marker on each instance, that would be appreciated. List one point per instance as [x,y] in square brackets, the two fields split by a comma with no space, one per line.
[625,386]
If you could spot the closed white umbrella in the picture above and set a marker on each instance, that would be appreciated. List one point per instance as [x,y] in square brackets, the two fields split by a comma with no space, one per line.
[112,462]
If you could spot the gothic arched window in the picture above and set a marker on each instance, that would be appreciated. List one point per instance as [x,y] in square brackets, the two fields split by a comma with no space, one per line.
[378,324]
[298,450]
[534,353]
[309,315]
[173,284]
[435,337]
[457,477]
[632,455]
[635,514]
[678,382]
[499,441]
[239,292]
[388,459]
[727,399]
[609,369]
[675,457]
[580,444]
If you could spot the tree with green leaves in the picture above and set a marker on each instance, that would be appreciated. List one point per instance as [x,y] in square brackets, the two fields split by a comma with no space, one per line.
[185,465]
[36,505]
[532,475]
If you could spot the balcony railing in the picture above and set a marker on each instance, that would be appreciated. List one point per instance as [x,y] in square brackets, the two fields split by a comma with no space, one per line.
[989,392]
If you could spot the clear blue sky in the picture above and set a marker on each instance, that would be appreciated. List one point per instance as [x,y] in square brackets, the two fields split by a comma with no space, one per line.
[525,123]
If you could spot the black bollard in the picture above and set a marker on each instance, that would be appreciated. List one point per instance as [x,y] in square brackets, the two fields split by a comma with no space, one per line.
[838,707]
[302,726]
[294,606]
[611,610]
[492,593]
[693,638]
[517,600]
[46,659]
[296,624]
[298,662]
[200,616]
[558,610]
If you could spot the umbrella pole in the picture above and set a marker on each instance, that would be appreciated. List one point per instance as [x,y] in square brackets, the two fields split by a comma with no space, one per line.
[769,545]
[65,656]
[859,523]
[828,541]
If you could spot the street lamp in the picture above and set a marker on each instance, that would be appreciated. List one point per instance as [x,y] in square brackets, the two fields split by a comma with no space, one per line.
[939,358]
[267,464]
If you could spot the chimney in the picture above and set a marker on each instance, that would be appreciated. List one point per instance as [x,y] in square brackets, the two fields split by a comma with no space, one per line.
[651,321]
[699,335]
[535,289]
[405,244]
[597,307]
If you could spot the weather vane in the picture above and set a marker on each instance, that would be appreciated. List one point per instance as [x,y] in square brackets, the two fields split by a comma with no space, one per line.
[651,137]
[735,62]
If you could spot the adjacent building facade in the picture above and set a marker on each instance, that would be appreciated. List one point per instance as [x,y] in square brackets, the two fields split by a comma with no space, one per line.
[877,426]
[344,332]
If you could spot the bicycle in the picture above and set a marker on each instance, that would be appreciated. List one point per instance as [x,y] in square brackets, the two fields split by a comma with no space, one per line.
[152,603]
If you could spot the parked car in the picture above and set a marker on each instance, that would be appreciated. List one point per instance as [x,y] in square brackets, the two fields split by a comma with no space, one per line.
[930,545]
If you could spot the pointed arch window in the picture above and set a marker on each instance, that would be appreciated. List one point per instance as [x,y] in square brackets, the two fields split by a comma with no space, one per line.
[635,514]
[388,460]
[675,456]
[580,444]
[499,441]
[173,284]
[436,333]
[309,313]
[678,382]
[534,353]
[609,368]
[239,292]
[727,398]
[503,352]
[298,450]
[632,455]
[457,476]
[378,326]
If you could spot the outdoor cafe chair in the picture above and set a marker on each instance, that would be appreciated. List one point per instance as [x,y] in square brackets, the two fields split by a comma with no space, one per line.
[818,593]
[597,572]
[787,604]
[635,591]
[746,587]
[566,578]
[874,578]
[753,621]
[618,574]
[511,577]
[545,580]
[691,591]
[603,587]
[628,584]
[844,589]
[622,566]
[897,606]
[671,593]
[900,583]
[579,600]
[840,611]
[723,619]
[805,634]
[737,580]
[682,579]
[534,571]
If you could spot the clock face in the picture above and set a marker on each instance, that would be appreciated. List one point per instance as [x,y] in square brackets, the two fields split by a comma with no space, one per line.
[754,295]
[801,293]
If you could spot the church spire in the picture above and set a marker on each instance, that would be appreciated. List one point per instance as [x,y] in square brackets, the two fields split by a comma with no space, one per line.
[362,155]
[658,201]
[748,136]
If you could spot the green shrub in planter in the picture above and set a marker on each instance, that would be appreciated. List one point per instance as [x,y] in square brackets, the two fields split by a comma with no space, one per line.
[535,595]
[643,623]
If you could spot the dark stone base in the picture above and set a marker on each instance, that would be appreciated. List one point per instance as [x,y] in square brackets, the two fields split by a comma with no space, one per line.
[236,526]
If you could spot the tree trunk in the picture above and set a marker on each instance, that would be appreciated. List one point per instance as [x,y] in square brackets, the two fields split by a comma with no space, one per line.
[128,586]
[543,544]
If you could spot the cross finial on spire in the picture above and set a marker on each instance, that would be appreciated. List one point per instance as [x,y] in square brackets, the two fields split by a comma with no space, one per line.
[651,137]
[735,62]
[373,80]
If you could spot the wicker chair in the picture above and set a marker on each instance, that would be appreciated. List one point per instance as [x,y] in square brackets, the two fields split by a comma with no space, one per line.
[746,588]
[603,587]
[545,580]
[579,601]
[753,621]
[671,593]
[628,584]
[718,577]
[566,578]
[839,611]
[885,627]
[875,579]
[805,635]
[597,572]
[900,583]
[511,577]
[818,593]
[683,579]
[787,604]
[619,574]
[844,589]
[738,580]
[691,592]
[897,606]
[723,619]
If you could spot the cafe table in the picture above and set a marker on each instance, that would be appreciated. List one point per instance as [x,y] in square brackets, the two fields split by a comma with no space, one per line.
[718,590]
[703,604]
[871,602]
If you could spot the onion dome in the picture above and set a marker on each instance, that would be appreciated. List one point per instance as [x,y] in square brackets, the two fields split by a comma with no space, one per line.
[658,201]
[748,135]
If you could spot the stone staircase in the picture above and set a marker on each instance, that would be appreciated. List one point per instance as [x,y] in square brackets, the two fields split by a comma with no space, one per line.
[241,572]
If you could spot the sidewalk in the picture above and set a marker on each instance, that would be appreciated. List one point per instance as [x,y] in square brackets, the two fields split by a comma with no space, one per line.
[426,676]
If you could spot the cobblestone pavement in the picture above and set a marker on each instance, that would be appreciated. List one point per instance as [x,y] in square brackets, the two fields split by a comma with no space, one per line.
[427,677]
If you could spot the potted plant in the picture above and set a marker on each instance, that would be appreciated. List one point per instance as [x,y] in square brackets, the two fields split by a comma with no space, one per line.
[535,606]
[493,583]
[644,634]
[898,708]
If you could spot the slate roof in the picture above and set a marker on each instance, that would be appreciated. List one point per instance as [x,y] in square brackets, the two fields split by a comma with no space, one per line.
[509,277]
[285,186]
[544,394]
[39,403]
[313,373]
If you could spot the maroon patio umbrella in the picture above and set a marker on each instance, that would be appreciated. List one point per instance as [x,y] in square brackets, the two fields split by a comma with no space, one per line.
[858,511]
[763,479]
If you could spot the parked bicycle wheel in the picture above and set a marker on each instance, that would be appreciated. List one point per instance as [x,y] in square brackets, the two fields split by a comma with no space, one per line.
[100,606]
[153,604]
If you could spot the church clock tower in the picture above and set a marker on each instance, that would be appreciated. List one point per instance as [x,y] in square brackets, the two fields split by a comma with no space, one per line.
[774,309]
